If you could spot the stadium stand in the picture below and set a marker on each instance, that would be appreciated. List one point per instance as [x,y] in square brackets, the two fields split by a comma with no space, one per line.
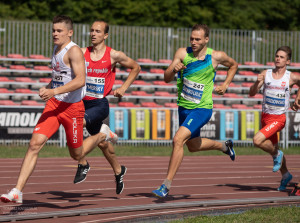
[21,76]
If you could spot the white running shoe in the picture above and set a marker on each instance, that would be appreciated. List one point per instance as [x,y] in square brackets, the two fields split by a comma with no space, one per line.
[110,136]
[14,195]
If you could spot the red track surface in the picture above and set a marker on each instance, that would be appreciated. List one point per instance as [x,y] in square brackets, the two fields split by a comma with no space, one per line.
[202,178]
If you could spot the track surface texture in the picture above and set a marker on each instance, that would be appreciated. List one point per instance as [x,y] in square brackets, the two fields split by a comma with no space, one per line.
[203,184]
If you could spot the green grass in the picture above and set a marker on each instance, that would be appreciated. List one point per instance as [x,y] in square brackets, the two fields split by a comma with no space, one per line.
[257,215]
[53,151]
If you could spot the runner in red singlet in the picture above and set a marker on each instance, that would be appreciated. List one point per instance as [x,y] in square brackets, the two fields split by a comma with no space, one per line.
[101,62]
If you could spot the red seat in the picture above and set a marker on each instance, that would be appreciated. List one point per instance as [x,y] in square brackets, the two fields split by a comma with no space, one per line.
[232,95]
[163,94]
[2,56]
[295,64]
[24,90]
[171,105]
[18,67]
[257,106]
[247,73]
[145,60]
[127,104]
[140,82]
[8,102]
[45,80]
[42,68]
[24,79]
[221,72]
[216,96]
[36,56]
[118,82]
[5,79]
[247,84]
[165,61]
[5,90]
[157,71]
[150,105]
[140,93]
[271,64]
[32,103]
[221,106]
[240,106]
[162,83]
[252,63]
[16,56]
[2,68]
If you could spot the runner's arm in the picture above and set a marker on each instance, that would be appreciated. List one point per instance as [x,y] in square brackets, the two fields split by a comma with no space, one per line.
[175,66]
[121,58]
[221,57]
[258,83]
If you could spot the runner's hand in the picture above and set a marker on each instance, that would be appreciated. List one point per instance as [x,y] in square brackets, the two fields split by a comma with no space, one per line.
[45,93]
[220,90]
[178,67]
[119,92]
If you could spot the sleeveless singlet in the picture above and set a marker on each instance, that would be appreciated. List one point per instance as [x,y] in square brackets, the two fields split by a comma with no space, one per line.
[62,74]
[195,83]
[276,93]
[100,76]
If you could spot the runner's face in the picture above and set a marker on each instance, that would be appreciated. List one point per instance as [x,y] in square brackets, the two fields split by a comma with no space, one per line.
[60,33]
[198,40]
[97,33]
[281,59]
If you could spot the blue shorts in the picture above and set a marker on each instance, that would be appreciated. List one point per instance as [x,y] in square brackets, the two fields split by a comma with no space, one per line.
[96,111]
[194,119]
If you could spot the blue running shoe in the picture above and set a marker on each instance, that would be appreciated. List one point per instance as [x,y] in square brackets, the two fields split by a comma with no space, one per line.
[284,183]
[162,191]
[230,151]
[277,161]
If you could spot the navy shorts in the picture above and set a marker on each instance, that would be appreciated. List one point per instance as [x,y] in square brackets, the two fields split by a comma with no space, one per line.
[96,111]
[194,119]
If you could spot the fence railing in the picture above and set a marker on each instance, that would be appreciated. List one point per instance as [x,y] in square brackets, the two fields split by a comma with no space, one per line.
[154,43]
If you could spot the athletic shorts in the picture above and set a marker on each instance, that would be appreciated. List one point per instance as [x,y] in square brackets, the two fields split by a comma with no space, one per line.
[70,115]
[96,111]
[194,119]
[271,125]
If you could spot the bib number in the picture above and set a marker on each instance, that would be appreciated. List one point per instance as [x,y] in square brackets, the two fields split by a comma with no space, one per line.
[95,87]
[192,91]
[57,81]
[275,100]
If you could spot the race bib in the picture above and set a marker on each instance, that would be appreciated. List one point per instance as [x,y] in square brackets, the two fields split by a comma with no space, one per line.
[275,100]
[57,81]
[95,87]
[192,91]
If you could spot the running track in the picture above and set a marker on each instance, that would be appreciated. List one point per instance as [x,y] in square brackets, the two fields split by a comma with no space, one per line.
[203,183]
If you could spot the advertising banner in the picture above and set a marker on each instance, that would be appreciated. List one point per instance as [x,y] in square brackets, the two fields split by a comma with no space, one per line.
[18,123]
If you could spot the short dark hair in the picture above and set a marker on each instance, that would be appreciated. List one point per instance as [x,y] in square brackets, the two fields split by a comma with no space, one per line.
[203,27]
[287,50]
[106,26]
[63,19]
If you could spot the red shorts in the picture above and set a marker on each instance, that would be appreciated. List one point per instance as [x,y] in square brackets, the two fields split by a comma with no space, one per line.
[70,115]
[271,125]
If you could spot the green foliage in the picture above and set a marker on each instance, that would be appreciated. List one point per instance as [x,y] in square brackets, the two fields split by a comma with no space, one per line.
[229,14]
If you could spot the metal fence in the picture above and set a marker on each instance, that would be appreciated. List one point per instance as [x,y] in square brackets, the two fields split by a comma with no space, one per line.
[154,43]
